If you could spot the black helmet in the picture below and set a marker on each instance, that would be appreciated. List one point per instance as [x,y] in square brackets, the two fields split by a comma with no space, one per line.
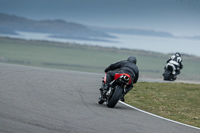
[177,54]
[132,59]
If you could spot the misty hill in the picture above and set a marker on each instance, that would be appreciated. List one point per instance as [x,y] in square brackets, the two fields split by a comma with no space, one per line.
[59,28]
[9,24]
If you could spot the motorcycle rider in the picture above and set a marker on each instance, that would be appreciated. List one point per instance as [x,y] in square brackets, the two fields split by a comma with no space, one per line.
[125,66]
[176,61]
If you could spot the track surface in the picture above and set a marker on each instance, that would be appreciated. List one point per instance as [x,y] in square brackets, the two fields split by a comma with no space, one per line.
[40,100]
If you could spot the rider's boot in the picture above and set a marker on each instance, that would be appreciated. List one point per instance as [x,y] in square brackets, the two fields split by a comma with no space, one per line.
[127,90]
[104,89]
[122,98]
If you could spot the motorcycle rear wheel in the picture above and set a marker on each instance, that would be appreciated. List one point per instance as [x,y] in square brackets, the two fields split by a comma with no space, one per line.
[112,101]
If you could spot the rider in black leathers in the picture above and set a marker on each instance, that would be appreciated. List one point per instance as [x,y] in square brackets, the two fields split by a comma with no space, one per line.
[126,66]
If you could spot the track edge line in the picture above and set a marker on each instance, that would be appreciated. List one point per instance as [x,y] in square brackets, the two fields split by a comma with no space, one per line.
[158,116]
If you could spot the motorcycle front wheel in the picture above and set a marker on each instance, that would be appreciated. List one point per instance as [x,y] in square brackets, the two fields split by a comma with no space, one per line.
[112,100]
[167,75]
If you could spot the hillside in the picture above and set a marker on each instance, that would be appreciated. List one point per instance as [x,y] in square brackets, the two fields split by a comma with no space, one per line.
[57,28]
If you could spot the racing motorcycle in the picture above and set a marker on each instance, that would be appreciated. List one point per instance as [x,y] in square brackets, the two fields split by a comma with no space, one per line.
[170,72]
[117,88]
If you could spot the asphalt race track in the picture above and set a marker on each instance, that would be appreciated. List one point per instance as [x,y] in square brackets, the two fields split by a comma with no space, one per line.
[40,100]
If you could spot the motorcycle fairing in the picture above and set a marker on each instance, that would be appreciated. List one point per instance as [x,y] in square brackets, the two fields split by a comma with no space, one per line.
[117,75]
[173,64]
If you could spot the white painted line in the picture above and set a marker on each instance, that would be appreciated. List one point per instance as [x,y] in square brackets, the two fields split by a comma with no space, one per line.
[158,116]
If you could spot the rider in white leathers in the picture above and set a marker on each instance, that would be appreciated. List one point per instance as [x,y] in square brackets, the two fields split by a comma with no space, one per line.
[176,62]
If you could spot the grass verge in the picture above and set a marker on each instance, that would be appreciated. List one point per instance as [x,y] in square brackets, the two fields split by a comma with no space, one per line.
[176,101]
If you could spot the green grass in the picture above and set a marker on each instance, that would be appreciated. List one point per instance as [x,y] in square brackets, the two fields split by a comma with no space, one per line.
[88,58]
[176,101]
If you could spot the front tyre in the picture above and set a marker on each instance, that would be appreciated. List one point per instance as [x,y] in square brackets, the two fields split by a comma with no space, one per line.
[167,75]
[112,101]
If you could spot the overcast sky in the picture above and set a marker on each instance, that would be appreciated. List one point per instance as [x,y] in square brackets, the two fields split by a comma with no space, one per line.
[179,17]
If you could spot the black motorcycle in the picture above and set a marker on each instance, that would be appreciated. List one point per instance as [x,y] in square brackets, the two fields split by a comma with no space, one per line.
[171,71]
[117,88]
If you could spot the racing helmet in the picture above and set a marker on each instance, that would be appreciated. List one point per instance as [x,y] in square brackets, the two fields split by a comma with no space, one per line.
[132,59]
[177,54]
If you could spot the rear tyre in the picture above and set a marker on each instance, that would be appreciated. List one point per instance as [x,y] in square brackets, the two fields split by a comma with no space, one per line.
[112,101]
